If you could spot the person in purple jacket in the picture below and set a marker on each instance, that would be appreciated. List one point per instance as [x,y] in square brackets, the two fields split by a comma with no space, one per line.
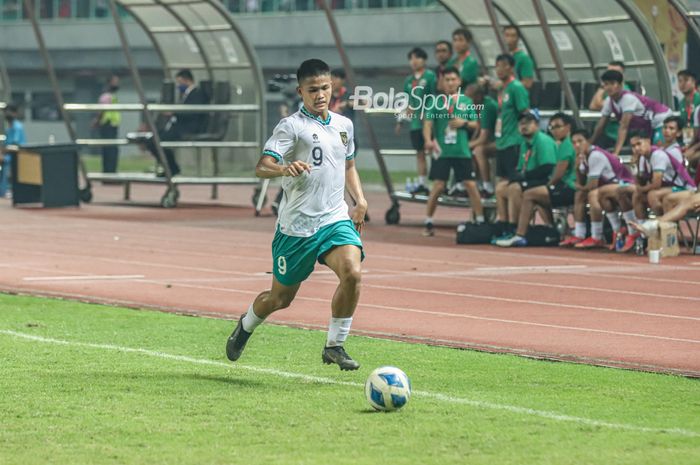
[634,111]
[598,176]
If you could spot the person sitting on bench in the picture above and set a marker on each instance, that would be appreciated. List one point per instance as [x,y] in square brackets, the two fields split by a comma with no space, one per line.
[183,124]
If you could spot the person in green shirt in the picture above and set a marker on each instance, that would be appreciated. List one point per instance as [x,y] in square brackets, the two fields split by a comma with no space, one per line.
[422,81]
[447,121]
[483,145]
[524,66]
[687,84]
[513,100]
[463,59]
[611,129]
[559,191]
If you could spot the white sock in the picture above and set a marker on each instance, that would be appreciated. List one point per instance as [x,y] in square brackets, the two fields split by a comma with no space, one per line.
[580,230]
[597,229]
[338,331]
[629,216]
[251,320]
[480,219]
[428,219]
[488,186]
[614,221]
[421,180]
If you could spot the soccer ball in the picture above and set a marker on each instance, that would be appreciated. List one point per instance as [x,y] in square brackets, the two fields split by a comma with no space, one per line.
[388,389]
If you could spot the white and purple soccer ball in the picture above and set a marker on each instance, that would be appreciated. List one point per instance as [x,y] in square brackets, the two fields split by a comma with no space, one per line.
[388,389]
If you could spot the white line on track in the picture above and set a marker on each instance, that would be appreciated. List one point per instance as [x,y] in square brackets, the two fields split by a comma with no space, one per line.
[532,268]
[321,380]
[85,278]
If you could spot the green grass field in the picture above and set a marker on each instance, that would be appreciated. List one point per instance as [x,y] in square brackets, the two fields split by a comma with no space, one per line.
[89,384]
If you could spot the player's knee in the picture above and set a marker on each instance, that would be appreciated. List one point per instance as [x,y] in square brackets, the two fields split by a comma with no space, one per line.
[351,273]
[282,301]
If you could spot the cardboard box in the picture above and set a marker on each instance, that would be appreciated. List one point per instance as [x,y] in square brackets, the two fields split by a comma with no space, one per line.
[665,239]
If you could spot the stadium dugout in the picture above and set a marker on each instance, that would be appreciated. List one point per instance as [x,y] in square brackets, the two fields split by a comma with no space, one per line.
[570,43]
[199,35]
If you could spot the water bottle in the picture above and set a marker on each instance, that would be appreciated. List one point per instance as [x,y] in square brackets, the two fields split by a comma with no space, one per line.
[409,186]
[619,241]
[639,246]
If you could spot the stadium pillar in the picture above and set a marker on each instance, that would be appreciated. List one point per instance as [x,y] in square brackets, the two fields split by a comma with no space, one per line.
[568,93]
[494,24]
[351,80]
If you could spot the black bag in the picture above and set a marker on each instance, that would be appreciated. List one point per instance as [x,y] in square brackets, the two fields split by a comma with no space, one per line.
[473,233]
[539,235]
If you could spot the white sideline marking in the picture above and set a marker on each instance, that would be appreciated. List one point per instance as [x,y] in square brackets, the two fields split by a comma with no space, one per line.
[317,379]
[85,277]
[532,268]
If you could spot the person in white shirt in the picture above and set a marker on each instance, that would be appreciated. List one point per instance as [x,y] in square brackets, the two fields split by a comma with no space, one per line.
[313,151]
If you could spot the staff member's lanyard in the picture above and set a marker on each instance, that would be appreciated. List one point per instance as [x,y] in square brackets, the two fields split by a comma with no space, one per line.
[500,94]
[689,108]
[528,154]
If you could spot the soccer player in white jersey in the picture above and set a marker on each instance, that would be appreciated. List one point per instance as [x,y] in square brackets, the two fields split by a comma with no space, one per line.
[313,151]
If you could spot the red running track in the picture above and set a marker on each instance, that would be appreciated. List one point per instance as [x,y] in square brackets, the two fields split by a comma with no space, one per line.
[212,259]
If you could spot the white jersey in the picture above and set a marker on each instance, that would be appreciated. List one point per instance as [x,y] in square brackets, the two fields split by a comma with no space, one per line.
[629,103]
[316,199]
[658,162]
[598,166]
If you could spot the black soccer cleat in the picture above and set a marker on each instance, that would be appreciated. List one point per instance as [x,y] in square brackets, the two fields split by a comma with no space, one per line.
[237,341]
[338,356]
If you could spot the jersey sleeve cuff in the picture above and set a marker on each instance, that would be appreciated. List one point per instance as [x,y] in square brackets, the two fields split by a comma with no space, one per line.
[350,157]
[273,154]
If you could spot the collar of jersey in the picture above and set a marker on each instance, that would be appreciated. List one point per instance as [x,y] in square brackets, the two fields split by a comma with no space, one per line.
[325,122]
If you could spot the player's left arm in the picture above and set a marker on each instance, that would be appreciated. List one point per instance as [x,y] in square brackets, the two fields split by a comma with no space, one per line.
[354,188]
[352,181]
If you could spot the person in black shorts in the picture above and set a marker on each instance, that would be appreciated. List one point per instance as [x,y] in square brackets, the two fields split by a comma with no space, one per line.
[449,122]
[557,190]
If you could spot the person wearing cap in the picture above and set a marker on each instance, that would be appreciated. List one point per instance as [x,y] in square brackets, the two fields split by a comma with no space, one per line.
[559,189]
[538,155]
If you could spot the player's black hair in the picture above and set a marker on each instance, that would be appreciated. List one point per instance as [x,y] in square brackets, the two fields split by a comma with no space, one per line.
[11,108]
[338,73]
[464,32]
[418,53]
[450,70]
[566,119]
[617,63]
[507,57]
[185,74]
[580,132]
[312,68]
[640,133]
[688,73]
[676,119]
[514,27]
[445,42]
[612,76]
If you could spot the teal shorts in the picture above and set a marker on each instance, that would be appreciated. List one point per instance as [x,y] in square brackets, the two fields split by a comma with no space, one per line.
[293,258]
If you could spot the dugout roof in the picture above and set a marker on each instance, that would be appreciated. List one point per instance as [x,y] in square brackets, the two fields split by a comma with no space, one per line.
[587,34]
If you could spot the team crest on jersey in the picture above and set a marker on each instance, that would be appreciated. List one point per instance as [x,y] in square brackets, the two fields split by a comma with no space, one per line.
[344,138]
[315,136]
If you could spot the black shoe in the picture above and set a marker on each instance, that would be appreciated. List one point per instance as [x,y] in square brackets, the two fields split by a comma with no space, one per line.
[421,190]
[236,341]
[340,357]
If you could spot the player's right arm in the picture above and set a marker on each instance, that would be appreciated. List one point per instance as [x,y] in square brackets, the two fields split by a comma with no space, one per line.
[281,143]
[268,167]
